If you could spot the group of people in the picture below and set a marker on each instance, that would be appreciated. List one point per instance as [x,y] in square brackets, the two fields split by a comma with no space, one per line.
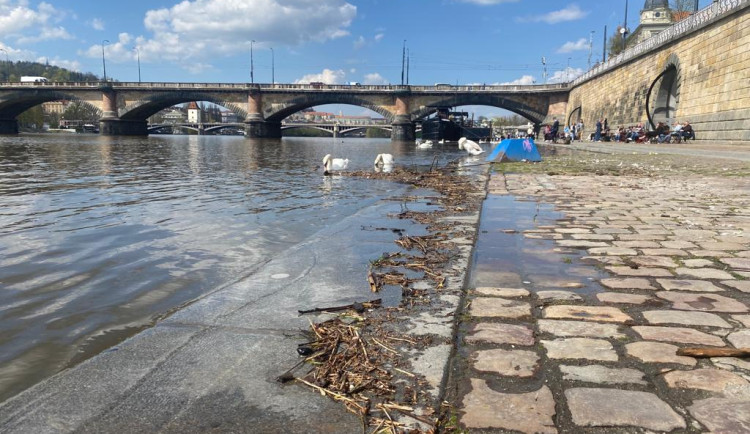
[663,133]
[552,133]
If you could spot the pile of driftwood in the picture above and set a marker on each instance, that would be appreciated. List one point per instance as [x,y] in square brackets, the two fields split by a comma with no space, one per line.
[358,359]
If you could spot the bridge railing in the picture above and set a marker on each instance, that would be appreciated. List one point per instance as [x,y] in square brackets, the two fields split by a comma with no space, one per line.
[715,11]
[440,88]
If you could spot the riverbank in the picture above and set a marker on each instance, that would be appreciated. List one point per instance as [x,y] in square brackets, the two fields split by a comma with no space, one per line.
[652,255]
[215,363]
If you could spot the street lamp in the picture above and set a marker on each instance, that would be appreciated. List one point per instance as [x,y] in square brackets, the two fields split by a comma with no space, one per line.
[591,46]
[138,53]
[567,70]
[104,63]
[624,30]
[273,80]
[544,66]
[252,69]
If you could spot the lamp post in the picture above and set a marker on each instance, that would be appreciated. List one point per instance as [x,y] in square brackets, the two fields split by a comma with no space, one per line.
[624,30]
[567,70]
[591,46]
[138,54]
[104,63]
[252,68]
[273,80]
[403,62]
[7,61]
[544,65]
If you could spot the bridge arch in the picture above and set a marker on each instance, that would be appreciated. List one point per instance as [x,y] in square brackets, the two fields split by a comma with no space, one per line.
[279,112]
[144,108]
[16,103]
[531,110]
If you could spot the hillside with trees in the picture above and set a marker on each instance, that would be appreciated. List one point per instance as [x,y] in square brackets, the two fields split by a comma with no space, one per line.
[13,71]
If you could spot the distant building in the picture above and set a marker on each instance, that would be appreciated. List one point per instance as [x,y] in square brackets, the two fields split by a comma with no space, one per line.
[655,17]
[56,107]
[173,116]
[228,117]
[194,113]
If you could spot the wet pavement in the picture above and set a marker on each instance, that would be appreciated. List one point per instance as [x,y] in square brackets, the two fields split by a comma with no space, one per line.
[578,305]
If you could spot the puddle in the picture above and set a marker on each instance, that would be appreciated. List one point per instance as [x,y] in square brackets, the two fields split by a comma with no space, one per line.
[503,257]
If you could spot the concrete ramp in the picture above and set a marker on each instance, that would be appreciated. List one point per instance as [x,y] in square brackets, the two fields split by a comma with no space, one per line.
[515,150]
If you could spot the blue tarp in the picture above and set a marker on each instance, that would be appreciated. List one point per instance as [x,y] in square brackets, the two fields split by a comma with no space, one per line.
[515,150]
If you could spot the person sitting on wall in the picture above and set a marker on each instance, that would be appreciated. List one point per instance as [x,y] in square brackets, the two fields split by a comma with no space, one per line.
[677,132]
[687,131]
[663,133]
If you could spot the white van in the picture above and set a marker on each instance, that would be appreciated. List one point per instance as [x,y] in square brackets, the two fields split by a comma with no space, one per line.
[32,79]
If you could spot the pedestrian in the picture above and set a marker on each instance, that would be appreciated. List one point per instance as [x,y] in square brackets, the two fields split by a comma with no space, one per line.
[598,134]
[555,129]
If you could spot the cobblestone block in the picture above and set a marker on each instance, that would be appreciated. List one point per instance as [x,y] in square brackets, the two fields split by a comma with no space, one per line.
[525,412]
[613,407]
[657,352]
[500,334]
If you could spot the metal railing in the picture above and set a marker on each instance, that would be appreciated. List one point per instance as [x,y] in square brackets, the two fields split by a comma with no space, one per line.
[710,14]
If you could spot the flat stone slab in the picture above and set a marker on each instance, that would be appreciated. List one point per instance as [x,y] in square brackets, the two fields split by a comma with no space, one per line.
[740,339]
[578,328]
[499,308]
[620,298]
[508,363]
[697,263]
[558,296]
[704,273]
[642,244]
[602,374]
[580,348]
[525,412]
[588,313]
[688,285]
[678,334]
[502,292]
[657,352]
[685,318]
[722,246]
[722,415]
[744,319]
[612,251]
[713,380]
[584,244]
[626,283]
[703,302]
[496,333]
[738,263]
[664,252]
[679,244]
[655,261]
[640,271]
[740,285]
[613,407]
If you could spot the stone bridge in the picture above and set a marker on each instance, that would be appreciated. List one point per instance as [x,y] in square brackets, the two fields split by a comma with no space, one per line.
[125,107]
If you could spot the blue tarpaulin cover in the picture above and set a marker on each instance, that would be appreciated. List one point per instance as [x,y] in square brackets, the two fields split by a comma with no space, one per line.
[515,150]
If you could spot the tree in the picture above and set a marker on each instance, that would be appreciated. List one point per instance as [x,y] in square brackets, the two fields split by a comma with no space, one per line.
[682,5]
[78,111]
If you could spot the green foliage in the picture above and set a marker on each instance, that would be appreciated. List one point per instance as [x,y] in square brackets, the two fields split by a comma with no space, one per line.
[80,111]
[509,121]
[377,133]
[52,73]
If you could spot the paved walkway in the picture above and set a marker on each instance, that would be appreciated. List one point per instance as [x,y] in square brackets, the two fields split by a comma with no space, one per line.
[736,151]
[651,265]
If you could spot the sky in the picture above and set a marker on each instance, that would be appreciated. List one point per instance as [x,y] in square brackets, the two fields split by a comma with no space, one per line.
[332,41]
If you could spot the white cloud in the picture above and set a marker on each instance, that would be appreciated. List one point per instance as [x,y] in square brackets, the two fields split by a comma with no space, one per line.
[570,13]
[327,76]
[567,74]
[97,24]
[375,78]
[526,79]
[579,45]
[193,31]
[379,37]
[359,43]
[24,24]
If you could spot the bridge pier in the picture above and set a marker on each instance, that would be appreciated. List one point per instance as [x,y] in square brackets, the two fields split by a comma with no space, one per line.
[260,129]
[119,127]
[403,130]
[8,126]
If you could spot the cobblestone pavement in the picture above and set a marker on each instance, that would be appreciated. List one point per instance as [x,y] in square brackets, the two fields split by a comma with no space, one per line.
[670,253]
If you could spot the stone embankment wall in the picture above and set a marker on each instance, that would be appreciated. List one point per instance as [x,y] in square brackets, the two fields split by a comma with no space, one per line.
[712,80]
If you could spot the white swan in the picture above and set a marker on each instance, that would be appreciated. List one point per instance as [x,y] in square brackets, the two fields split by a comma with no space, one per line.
[425,145]
[470,146]
[441,141]
[384,160]
[331,164]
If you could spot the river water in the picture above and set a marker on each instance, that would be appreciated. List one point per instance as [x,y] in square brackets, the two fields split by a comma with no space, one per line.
[101,236]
